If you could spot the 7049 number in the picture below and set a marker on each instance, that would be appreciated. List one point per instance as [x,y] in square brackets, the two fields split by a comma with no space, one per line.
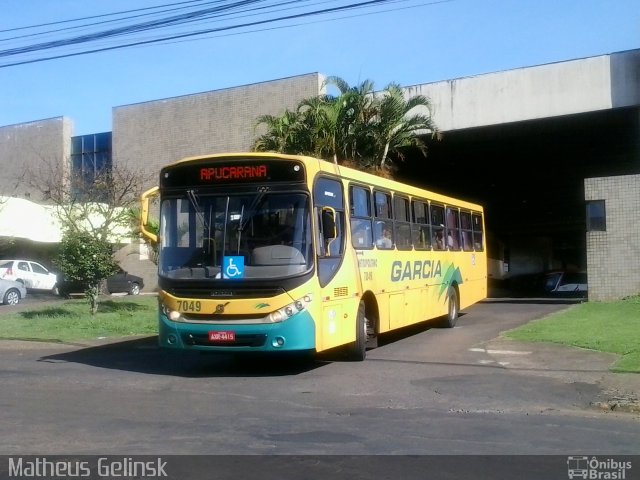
[189,305]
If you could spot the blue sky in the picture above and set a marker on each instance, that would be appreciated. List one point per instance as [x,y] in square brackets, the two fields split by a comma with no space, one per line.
[408,42]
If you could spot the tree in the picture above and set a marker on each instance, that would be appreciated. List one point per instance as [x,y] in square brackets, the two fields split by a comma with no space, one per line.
[357,112]
[357,126]
[88,259]
[94,210]
[396,128]
[283,134]
[6,243]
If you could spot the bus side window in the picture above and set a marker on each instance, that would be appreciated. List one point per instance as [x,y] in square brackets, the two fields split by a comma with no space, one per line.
[383,226]
[420,229]
[465,229]
[437,226]
[453,229]
[327,192]
[476,224]
[402,218]
[360,208]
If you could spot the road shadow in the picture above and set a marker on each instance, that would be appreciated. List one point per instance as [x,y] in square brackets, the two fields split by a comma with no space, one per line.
[411,330]
[143,355]
[535,301]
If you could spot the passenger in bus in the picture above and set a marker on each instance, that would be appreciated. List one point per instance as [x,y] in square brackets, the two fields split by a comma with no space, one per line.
[438,242]
[450,242]
[385,241]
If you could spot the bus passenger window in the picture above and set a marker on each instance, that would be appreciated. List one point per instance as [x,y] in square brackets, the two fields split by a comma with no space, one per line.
[420,230]
[437,227]
[360,202]
[383,205]
[360,207]
[465,228]
[361,235]
[402,218]
[384,235]
[476,224]
[453,229]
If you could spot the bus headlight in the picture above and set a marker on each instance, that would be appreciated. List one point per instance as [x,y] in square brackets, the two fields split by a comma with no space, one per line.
[289,310]
[172,315]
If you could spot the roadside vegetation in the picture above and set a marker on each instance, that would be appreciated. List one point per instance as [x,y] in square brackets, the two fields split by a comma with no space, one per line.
[69,322]
[612,327]
[358,127]
[95,215]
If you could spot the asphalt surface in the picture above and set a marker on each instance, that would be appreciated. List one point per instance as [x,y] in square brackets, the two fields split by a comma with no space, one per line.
[456,403]
[617,392]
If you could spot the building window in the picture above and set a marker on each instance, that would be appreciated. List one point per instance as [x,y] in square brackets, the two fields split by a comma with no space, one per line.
[596,216]
[90,160]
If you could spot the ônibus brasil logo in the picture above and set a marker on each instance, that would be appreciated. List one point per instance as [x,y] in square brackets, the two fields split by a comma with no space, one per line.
[594,468]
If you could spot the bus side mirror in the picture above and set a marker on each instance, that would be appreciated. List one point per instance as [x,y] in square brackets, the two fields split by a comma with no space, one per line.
[144,215]
[329,223]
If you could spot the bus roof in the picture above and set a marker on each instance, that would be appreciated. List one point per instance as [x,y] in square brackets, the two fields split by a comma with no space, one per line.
[324,166]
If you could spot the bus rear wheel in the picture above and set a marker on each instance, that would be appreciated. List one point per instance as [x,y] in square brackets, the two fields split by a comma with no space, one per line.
[357,351]
[450,319]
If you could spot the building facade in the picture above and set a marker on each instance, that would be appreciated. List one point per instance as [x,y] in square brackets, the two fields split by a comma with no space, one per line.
[25,147]
[563,122]
[613,236]
[154,134]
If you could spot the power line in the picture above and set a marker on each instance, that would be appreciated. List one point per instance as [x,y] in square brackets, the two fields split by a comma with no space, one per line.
[218,12]
[59,22]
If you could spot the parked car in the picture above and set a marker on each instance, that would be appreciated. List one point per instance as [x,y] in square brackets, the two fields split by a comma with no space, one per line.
[124,282]
[566,283]
[11,292]
[119,282]
[31,274]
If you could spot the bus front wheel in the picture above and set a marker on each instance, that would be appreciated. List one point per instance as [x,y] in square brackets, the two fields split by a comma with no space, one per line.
[357,351]
[450,319]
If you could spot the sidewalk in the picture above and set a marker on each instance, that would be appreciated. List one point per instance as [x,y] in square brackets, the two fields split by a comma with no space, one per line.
[619,392]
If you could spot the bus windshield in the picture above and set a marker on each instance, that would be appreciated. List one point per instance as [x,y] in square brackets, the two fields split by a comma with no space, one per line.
[258,235]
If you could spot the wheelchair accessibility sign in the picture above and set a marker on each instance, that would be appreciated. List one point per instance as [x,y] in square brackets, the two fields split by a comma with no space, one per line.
[233,267]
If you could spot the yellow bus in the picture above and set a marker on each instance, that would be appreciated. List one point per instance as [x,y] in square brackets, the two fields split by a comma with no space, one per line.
[266,252]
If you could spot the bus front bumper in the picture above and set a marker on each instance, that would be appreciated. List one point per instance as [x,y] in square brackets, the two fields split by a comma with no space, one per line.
[297,333]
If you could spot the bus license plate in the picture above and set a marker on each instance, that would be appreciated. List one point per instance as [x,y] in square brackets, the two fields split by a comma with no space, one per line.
[222,336]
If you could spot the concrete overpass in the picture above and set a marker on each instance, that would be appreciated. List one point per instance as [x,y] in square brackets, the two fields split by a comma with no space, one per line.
[523,141]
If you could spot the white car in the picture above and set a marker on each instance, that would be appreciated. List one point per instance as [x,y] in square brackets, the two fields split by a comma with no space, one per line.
[32,275]
[11,292]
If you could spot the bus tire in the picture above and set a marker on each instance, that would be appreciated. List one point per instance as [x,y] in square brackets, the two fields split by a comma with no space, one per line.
[450,319]
[357,351]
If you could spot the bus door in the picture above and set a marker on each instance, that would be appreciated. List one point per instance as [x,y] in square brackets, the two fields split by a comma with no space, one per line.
[337,272]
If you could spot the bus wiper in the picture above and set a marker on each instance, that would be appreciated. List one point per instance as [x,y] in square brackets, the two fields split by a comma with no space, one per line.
[193,198]
[240,223]
[250,211]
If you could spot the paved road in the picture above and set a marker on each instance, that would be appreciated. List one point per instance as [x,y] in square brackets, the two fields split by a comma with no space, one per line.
[424,391]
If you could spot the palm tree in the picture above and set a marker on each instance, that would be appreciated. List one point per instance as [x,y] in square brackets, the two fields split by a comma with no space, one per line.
[355,126]
[356,110]
[396,128]
[320,117]
[283,134]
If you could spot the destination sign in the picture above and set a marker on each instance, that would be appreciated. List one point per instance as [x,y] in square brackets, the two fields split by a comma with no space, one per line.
[230,172]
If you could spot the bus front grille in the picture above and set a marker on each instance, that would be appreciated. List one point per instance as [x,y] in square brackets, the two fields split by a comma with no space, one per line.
[202,293]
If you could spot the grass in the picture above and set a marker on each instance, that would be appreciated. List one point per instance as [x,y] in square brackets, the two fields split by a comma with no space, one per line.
[612,327]
[71,321]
